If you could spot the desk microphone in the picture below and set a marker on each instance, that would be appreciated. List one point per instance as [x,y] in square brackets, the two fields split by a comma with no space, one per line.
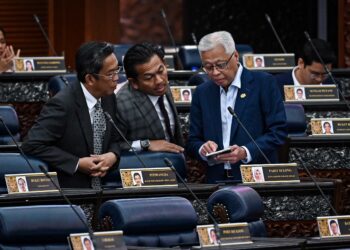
[36,18]
[216,225]
[43,169]
[171,38]
[326,68]
[233,113]
[275,33]
[109,118]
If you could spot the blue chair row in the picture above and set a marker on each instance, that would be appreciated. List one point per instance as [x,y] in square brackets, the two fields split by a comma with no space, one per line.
[9,116]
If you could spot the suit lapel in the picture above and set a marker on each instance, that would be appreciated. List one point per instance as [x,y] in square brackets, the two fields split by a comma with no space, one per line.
[242,98]
[213,102]
[84,116]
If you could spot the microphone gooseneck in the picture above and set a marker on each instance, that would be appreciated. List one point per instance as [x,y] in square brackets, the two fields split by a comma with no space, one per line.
[233,113]
[275,33]
[44,171]
[216,225]
[37,20]
[109,118]
[171,38]
[326,68]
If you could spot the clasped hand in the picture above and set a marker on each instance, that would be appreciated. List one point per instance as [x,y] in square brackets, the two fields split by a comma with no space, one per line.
[97,165]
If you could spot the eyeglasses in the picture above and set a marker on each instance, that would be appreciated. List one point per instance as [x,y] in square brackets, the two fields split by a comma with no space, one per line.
[316,75]
[209,68]
[112,75]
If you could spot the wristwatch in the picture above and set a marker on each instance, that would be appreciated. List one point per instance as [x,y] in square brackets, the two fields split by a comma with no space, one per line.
[145,144]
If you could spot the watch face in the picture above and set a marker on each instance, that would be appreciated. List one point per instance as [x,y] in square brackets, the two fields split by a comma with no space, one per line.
[145,144]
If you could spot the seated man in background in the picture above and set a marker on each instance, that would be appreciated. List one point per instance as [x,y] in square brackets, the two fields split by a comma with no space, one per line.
[309,69]
[146,112]
[254,97]
[7,53]
[71,133]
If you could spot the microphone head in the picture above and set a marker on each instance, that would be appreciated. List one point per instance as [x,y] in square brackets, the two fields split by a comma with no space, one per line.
[36,18]
[163,13]
[168,162]
[108,116]
[307,36]
[194,38]
[267,17]
[230,109]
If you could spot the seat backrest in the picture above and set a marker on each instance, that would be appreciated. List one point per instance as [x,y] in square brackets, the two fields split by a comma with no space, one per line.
[238,204]
[153,222]
[9,117]
[296,120]
[120,51]
[150,159]
[198,79]
[59,82]
[14,163]
[43,227]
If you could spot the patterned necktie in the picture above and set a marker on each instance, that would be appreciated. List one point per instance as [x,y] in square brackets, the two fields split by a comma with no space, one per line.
[99,127]
[166,118]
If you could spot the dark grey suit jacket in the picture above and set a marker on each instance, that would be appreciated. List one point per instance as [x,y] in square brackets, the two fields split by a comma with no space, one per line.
[63,133]
[138,119]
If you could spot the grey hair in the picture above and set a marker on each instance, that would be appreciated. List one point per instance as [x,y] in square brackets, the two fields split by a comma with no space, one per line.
[212,40]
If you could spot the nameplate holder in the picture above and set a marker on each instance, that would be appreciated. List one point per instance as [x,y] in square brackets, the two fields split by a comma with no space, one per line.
[268,61]
[148,177]
[230,234]
[102,241]
[30,183]
[40,65]
[182,94]
[334,226]
[269,173]
[330,126]
[311,93]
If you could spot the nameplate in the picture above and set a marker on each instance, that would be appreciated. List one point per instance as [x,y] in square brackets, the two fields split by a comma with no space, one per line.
[330,126]
[230,234]
[40,64]
[334,226]
[182,94]
[30,183]
[102,240]
[268,61]
[311,93]
[148,177]
[269,173]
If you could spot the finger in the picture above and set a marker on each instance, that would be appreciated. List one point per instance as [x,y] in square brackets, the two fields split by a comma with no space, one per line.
[18,53]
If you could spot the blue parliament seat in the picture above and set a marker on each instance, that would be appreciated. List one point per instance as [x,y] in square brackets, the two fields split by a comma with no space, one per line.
[9,116]
[238,204]
[57,83]
[120,51]
[198,79]
[14,163]
[151,222]
[296,120]
[44,227]
[151,160]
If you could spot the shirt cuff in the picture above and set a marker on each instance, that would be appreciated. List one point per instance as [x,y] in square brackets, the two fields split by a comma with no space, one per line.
[136,145]
[249,156]
[199,152]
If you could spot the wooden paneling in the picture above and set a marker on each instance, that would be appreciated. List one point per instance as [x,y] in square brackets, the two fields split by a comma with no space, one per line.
[16,17]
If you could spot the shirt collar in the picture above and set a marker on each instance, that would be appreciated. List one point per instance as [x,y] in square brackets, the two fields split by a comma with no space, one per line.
[295,80]
[236,81]
[90,99]
[154,99]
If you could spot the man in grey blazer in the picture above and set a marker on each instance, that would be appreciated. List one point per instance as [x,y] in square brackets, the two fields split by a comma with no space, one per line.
[146,112]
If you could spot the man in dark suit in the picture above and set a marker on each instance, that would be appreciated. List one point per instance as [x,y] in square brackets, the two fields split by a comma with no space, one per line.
[256,100]
[146,112]
[71,134]
[309,70]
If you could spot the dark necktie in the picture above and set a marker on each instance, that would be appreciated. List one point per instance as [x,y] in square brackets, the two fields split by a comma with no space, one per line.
[99,127]
[166,118]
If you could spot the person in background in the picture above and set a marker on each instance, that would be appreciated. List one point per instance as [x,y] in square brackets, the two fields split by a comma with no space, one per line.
[309,70]
[7,53]
[256,101]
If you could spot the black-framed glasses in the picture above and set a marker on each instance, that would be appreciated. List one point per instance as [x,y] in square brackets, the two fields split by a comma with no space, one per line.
[209,68]
[111,75]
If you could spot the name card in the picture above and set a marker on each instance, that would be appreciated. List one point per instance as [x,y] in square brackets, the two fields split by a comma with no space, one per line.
[148,177]
[40,64]
[330,126]
[268,61]
[334,226]
[269,173]
[311,93]
[30,183]
[230,234]
[102,241]
[182,94]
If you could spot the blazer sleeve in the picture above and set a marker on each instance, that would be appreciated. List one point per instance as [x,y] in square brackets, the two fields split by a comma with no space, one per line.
[274,120]
[43,136]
